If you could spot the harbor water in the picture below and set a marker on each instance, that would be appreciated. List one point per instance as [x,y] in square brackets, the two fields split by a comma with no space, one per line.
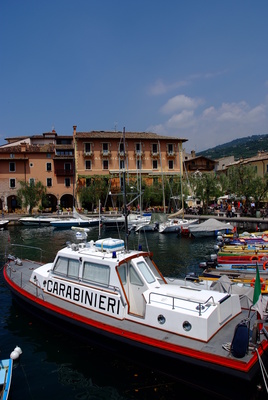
[54,364]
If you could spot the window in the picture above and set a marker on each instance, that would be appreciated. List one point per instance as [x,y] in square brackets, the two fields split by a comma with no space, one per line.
[97,273]
[88,164]
[170,164]
[105,148]
[134,277]
[67,182]
[31,164]
[12,183]
[67,167]
[145,271]
[12,167]
[170,148]
[121,148]
[67,267]
[12,155]
[49,182]
[49,166]
[154,148]
[88,148]
[88,182]
[122,164]
[31,181]
[48,155]
[138,164]
[105,164]
[138,148]
[155,164]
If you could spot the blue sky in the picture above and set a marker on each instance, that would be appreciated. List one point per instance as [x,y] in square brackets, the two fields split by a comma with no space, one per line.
[193,69]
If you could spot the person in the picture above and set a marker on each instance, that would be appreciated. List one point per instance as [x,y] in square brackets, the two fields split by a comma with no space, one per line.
[229,210]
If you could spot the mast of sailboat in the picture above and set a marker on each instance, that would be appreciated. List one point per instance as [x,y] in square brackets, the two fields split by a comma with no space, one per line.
[163,183]
[124,191]
[181,174]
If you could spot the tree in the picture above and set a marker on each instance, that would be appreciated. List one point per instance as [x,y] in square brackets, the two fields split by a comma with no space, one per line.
[31,194]
[242,181]
[207,187]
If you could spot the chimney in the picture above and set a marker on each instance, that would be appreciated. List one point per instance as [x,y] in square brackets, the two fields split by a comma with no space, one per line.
[74,130]
[23,147]
[193,154]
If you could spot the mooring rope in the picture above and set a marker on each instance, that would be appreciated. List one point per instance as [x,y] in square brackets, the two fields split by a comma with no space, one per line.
[263,371]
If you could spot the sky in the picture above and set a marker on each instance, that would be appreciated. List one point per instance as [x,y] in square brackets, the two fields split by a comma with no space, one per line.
[191,69]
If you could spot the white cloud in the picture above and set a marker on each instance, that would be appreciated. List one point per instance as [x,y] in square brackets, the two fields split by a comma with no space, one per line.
[180,102]
[159,87]
[205,128]
[182,120]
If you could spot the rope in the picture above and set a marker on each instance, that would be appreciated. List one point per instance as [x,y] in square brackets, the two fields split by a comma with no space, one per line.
[263,371]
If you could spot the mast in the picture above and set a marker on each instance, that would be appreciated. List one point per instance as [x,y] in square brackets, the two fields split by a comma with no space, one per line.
[124,191]
[163,184]
[181,174]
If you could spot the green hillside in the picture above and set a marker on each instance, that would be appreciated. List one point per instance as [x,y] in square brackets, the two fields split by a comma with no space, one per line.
[239,148]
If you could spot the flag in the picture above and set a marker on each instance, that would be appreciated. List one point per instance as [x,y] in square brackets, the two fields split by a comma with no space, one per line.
[257,297]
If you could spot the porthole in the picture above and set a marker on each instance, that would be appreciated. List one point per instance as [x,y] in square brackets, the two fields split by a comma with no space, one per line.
[187,326]
[161,319]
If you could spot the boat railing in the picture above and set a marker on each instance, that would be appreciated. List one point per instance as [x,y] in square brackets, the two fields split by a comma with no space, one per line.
[24,248]
[200,304]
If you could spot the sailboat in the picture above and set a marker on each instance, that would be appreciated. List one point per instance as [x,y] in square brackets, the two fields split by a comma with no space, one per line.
[176,222]
[108,293]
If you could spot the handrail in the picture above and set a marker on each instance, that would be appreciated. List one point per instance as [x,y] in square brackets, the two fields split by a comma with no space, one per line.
[199,307]
[29,247]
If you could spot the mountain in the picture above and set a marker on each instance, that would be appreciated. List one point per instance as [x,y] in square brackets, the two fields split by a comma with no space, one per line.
[239,148]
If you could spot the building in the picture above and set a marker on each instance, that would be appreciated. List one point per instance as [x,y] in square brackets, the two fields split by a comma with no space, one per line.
[66,163]
[48,158]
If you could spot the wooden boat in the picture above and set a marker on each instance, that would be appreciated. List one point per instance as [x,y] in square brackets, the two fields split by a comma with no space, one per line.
[6,367]
[105,291]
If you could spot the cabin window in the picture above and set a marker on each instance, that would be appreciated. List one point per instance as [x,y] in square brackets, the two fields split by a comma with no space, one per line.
[122,270]
[134,277]
[145,271]
[96,273]
[61,266]
[67,267]
[73,269]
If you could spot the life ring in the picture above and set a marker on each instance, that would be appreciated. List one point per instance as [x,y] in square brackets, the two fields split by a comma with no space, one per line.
[264,265]
[252,283]
[253,258]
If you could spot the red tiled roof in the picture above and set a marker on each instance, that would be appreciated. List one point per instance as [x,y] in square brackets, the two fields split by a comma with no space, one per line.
[128,135]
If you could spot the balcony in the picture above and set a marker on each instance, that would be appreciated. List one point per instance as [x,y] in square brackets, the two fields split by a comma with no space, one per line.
[155,154]
[88,153]
[105,153]
[171,154]
[139,153]
[64,172]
